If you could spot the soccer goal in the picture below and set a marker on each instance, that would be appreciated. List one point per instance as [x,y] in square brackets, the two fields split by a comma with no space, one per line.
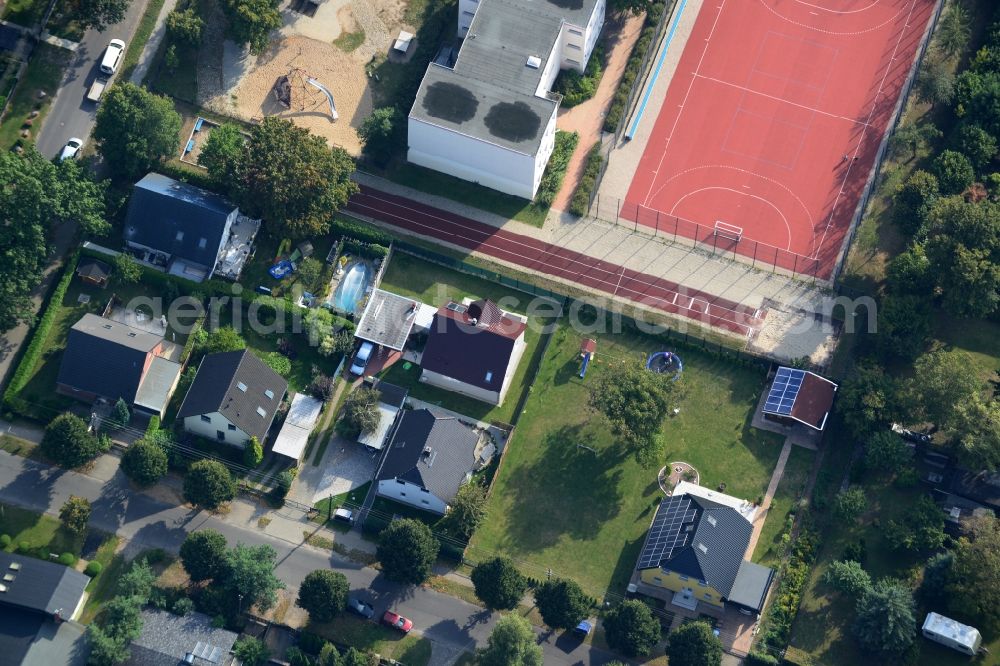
[729,231]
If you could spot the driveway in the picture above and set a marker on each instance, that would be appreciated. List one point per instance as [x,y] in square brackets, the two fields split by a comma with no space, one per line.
[345,466]
[71,114]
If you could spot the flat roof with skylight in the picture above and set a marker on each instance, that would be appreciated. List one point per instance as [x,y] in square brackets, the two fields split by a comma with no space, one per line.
[388,319]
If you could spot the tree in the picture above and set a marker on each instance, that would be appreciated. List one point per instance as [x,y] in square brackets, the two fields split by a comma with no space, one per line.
[920,529]
[278,362]
[322,387]
[105,650]
[904,325]
[978,424]
[848,577]
[251,651]
[202,554]
[694,644]
[380,134]
[466,511]
[867,400]
[323,594]
[562,603]
[338,343]
[309,271]
[498,583]
[850,504]
[224,339]
[137,581]
[941,379]
[914,200]
[937,578]
[135,129]
[973,587]
[249,577]
[511,643]
[635,401]
[887,454]
[75,513]
[223,148]
[250,22]
[253,453]
[68,441]
[121,414]
[170,58]
[185,26]
[953,29]
[631,628]
[407,550]
[99,14]
[886,618]
[144,462]
[127,270]
[122,617]
[37,196]
[954,171]
[912,138]
[935,82]
[290,178]
[360,412]
[208,484]
[630,7]
[909,272]
[976,144]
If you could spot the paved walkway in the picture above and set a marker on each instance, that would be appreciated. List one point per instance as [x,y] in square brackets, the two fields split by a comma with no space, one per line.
[149,51]
[587,119]
[772,487]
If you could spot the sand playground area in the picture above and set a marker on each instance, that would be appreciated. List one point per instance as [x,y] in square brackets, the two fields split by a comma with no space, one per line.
[304,49]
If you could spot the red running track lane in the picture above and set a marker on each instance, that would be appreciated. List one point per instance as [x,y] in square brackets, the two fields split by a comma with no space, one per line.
[553,260]
[773,120]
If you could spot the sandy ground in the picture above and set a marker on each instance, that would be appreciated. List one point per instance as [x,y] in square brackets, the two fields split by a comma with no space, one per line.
[305,45]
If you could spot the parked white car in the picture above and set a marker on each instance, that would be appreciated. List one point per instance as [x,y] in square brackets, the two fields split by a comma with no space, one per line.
[112,56]
[71,150]
[361,358]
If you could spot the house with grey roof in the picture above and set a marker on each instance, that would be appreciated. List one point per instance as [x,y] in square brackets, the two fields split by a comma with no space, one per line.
[485,111]
[695,553]
[187,231]
[169,640]
[106,359]
[39,602]
[234,397]
[429,458]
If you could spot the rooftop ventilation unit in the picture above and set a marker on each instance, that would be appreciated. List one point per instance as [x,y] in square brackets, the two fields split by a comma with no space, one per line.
[534,62]
[703,548]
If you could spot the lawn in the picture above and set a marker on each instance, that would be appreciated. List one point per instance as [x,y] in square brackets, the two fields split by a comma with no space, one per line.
[37,530]
[102,588]
[435,285]
[17,446]
[409,650]
[585,513]
[770,547]
[977,337]
[325,507]
[182,81]
[44,72]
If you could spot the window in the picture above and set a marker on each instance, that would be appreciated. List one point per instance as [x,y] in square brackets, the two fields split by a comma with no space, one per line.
[657,579]
[489,377]
[402,494]
[232,427]
[269,394]
[707,595]
[574,31]
[241,386]
[469,13]
[202,243]
[206,419]
[574,47]
[179,236]
[703,583]
[575,62]
[219,435]
[424,502]
[400,481]
[424,490]
[683,577]
[261,413]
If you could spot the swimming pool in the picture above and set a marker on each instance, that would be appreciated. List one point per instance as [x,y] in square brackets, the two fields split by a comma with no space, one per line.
[352,287]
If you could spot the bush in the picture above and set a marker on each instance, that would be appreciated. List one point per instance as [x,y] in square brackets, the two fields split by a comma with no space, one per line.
[580,203]
[617,109]
[555,171]
[360,231]
[4,540]
[576,87]
[93,569]
[786,604]
[24,547]
[760,659]
[67,559]
[182,606]
[281,487]
[68,441]
[277,362]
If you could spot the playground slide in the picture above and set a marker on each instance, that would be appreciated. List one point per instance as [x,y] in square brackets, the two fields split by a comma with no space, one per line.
[329,96]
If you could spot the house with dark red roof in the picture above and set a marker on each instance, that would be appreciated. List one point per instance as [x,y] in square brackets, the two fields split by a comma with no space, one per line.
[473,348]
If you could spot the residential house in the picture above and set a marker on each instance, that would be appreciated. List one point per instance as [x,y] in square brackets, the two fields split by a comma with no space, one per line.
[172,640]
[39,603]
[695,553]
[484,111]
[429,458]
[187,231]
[106,359]
[234,397]
[473,348]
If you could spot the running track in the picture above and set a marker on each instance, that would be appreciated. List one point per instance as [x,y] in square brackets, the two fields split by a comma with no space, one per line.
[536,255]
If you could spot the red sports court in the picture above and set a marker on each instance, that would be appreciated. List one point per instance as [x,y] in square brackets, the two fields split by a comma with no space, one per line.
[772,122]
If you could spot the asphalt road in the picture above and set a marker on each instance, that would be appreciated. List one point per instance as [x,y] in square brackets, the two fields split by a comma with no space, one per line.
[452,624]
[71,114]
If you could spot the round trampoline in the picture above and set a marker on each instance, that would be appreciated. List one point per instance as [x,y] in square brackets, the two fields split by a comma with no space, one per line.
[665,362]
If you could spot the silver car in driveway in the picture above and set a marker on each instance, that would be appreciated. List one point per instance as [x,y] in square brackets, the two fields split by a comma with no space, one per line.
[360,607]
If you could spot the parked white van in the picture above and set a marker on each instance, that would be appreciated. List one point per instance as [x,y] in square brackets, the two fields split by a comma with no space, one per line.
[112,56]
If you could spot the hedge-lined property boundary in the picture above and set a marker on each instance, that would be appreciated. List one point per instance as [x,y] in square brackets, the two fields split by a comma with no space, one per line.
[580,203]
[616,111]
[41,333]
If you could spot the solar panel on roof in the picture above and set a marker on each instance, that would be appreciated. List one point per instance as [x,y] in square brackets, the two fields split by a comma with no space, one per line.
[666,533]
[784,390]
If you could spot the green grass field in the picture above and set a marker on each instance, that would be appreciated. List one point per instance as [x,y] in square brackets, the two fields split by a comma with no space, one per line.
[435,285]
[36,530]
[585,513]
[770,547]
[409,650]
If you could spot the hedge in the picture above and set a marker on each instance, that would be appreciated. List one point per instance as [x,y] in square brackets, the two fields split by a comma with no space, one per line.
[760,659]
[370,250]
[642,45]
[37,345]
[556,170]
[359,231]
[577,88]
[786,604]
[580,203]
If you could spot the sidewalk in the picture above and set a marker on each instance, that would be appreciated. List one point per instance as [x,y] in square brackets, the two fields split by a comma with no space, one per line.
[153,44]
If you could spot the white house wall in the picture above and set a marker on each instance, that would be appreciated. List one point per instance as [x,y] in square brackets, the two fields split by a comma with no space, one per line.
[209,429]
[515,360]
[412,494]
[455,386]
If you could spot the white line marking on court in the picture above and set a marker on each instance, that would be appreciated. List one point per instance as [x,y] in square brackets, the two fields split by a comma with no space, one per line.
[684,101]
[788,228]
[847,173]
[780,99]
[832,32]
[838,11]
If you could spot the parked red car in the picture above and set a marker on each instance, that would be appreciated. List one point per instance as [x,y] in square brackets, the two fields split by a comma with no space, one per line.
[397,621]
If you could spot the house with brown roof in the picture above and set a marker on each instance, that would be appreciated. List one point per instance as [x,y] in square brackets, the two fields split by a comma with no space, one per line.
[473,348]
